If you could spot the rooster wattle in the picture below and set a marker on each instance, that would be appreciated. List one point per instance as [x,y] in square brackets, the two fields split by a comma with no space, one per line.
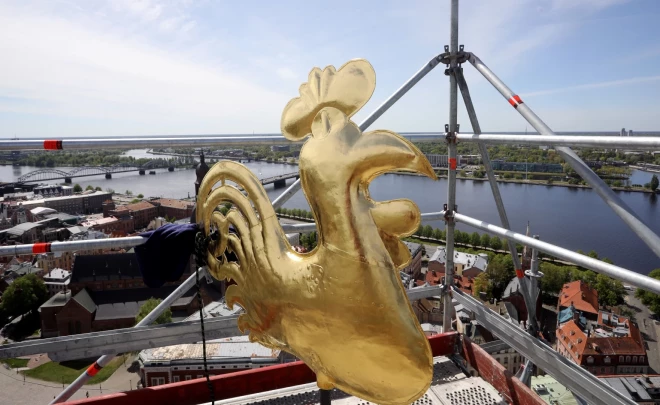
[340,308]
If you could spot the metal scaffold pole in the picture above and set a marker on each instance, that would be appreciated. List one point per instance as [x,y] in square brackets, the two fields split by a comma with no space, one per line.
[451,130]
[603,190]
[469,106]
[106,359]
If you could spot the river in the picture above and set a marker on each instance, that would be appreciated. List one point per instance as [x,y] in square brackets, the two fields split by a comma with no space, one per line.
[569,217]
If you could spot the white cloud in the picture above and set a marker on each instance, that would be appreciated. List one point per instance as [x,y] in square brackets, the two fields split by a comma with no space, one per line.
[591,5]
[61,69]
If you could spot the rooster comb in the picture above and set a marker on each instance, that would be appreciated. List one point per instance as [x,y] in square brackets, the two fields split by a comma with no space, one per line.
[347,89]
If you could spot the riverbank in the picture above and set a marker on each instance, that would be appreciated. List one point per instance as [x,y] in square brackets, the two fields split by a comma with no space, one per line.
[534,183]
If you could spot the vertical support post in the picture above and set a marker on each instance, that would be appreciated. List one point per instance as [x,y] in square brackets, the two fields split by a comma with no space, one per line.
[325,396]
[534,275]
[488,167]
[451,129]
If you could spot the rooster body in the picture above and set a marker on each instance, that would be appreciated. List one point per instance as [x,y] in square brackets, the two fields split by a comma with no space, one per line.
[341,308]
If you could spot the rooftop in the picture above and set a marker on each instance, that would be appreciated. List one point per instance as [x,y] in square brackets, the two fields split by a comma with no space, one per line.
[226,348]
[142,205]
[105,267]
[170,202]
[578,293]
[551,391]
[20,229]
[466,259]
[101,221]
[57,275]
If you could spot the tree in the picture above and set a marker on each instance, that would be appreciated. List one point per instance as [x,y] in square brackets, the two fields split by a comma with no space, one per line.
[437,233]
[554,278]
[481,284]
[593,254]
[419,230]
[610,291]
[475,239]
[458,236]
[98,188]
[496,243]
[428,231]
[90,187]
[654,183]
[77,188]
[25,294]
[128,192]
[499,274]
[485,240]
[147,307]
[650,299]
[109,190]
[140,196]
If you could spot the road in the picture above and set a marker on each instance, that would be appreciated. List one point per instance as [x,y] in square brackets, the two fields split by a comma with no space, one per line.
[17,389]
[649,329]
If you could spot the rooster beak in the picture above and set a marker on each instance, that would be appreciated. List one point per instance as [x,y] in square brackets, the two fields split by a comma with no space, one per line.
[385,151]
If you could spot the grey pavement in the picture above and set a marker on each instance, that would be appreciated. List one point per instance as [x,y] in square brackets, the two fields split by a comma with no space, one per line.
[649,329]
[20,390]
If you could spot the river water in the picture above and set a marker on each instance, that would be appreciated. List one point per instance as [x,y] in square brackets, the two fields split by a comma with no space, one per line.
[569,217]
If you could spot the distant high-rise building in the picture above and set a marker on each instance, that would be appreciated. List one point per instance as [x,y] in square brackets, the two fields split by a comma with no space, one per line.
[623,132]
[630,133]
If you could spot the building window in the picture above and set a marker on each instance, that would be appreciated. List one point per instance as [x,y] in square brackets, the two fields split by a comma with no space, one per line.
[620,359]
[627,359]
[200,376]
[634,359]
[608,360]
[590,360]
[155,381]
[602,370]
[641,359]
[188,377]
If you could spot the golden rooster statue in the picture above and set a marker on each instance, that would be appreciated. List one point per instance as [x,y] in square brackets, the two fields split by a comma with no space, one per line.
[341,308]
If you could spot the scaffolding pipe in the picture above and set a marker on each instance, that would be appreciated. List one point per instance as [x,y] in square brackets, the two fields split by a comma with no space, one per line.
[587,141]
[596,141]
[472,114]
[616,272]
[401,91]
[105,359]
[452,130]
[604,191]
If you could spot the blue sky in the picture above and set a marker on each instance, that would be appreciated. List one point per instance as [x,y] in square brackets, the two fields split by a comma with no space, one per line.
[119,67]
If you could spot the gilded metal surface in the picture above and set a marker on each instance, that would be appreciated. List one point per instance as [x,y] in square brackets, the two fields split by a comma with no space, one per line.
[341,308]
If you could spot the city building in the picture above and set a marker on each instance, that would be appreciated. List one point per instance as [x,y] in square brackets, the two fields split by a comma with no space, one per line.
[514,302]
[527,167]
[643,389]
[280,148]
[88,203]
[415,266]
[581,296]
[52,190]
[603,343]
[465,264]
[16,270]
[164,365]
[171,208]
[57,280]
[550,391]
[49,261]
[101,272]
[71,312]
[142,213]
[110,224]
[26,232]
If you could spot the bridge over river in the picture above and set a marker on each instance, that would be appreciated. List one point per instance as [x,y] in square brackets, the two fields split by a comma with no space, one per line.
[48,174]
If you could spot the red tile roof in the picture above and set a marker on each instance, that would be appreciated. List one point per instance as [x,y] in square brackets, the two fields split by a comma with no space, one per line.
[583,297]
[170,202]
[142,205]
[434,277]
